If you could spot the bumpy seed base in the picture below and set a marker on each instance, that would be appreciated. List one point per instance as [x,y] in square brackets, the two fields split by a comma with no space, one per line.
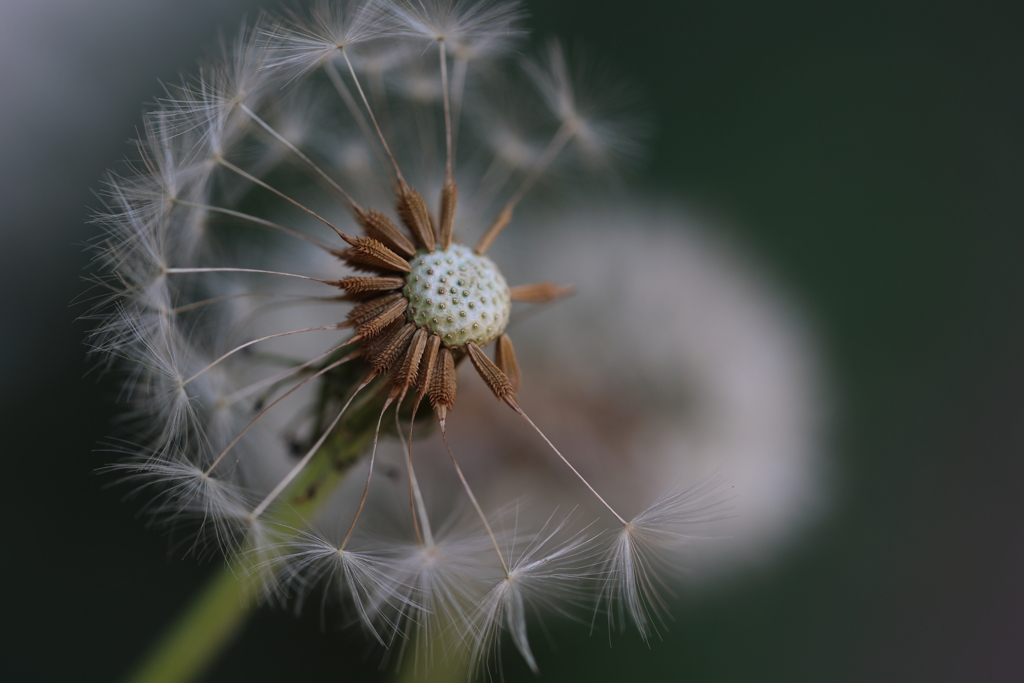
[457,295]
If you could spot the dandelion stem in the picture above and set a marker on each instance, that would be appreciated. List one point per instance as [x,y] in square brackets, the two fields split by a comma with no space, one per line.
[219,612]
[445,669]
[201,632]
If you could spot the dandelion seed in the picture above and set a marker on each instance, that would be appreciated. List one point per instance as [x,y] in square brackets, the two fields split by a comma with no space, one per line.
[547,570]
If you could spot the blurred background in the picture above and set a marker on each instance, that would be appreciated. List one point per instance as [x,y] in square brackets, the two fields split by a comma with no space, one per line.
[870,153]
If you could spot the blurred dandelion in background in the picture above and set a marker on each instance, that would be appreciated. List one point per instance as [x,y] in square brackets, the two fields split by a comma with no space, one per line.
[284,283]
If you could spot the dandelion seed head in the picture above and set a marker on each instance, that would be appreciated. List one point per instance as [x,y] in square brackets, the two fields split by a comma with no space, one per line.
[286,287]
[457,295]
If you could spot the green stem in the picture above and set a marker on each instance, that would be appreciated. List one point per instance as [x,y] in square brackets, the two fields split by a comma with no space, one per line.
[448,662]
[218,613]
[448,668]
[206,627]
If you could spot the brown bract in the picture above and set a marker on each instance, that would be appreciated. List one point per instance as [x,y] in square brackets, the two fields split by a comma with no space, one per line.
[414,357]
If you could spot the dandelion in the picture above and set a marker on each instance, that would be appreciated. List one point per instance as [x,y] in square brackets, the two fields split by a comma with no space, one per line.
[286,336]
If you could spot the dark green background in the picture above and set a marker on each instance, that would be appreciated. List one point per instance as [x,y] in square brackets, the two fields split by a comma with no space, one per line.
[872,153]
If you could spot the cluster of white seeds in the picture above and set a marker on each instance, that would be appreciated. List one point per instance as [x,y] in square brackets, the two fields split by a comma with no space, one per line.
[458,295]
